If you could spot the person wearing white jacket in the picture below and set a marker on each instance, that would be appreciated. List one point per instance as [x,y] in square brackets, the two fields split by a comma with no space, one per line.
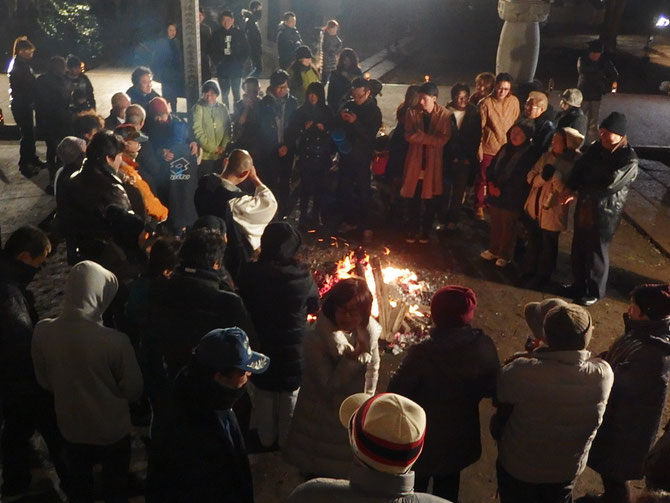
[93,374]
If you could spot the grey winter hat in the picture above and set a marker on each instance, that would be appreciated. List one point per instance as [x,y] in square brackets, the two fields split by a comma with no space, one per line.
[211,85]
[535,312]
[70,148]
[568,328]
[573,97]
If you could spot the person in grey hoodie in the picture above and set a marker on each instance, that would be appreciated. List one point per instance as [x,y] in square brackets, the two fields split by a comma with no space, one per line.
[93,374]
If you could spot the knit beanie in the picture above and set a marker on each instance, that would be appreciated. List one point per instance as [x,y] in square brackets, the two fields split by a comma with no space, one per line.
[70,149]
[279,242]
[453,306]
[535,312]
[386,431]
[615,123]
[303,52]
[573,97]
[653,300]
[211,85]
[568,328]
[278,78]
[157,106]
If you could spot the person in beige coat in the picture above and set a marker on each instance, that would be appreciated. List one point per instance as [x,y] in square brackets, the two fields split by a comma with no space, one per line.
[499,112]
[547,206]
[427,130]
[341,358]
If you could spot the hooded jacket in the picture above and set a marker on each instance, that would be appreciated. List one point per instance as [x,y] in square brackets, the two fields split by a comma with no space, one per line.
[90,369]
[300,77]
[641,363]
[279,292]
[229,51]
[212,128]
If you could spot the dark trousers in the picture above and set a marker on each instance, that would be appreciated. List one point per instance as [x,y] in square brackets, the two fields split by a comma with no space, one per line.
[444,486]
[504,230]
[115,460]
[541,250]
[24,413]
[23,115]
[256,63]
[52,159]
[227,84]
[516,491]
[312,180]
[456,182]
[354,190]
[420,212]
[590,261]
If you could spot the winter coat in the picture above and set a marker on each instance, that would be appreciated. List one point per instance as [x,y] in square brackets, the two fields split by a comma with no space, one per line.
[329,47]
[275,116]
[542,135]
[339,87]
[312,144]
[558,400]
[508,172]
[279,294]
[17,318]
[595,77]
[253,34]
[448,375]
[288,41]
[90,369]
[212,128]
[168,63]
[602,180]
[137,97]
[497,119]
[398,146]
[300,77]
[52,114]
[205,62]
[185,307]
[572,117]
[82,84]
[317,442]
[363,485]
[229,51]
[202,456]
[154,207]
[245,136]
[464,142]
[425,151]
[641,363]
[362,133]
[21,82]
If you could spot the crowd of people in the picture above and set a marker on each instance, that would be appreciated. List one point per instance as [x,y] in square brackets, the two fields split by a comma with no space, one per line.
[187,286]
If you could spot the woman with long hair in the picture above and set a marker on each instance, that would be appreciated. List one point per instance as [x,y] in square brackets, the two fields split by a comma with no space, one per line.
[329,47]
[348,68]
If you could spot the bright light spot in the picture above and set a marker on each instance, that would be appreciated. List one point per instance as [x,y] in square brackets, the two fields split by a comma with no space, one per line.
[426,78]
[662,22]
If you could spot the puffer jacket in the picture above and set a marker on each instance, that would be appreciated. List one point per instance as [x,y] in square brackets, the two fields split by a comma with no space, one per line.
[317,442]
[602,179]
[641,363]
[330,48]
[212,128]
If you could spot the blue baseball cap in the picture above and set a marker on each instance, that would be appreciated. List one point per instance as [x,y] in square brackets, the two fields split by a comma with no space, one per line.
[223,348]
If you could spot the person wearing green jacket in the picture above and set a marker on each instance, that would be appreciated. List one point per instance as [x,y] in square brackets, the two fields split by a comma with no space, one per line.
[302,73]
[212,128]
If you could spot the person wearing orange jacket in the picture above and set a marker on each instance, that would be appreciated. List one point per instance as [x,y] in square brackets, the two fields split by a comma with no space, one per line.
[133,140]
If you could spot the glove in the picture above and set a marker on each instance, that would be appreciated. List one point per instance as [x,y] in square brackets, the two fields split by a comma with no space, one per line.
[548,171]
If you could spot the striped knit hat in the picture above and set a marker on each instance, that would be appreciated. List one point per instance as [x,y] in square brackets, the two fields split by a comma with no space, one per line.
[386,431]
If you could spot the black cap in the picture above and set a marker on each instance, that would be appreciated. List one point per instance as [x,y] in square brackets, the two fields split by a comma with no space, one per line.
[596,46]
[303,52]
[615,123]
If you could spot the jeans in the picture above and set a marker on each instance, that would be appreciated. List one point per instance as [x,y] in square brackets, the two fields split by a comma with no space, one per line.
[115,460]
[273,411]
[517,491]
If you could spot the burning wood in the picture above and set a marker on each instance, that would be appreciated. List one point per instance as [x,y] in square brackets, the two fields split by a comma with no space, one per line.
[398,295]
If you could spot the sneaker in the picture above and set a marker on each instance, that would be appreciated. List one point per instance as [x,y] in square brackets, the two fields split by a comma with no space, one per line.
[479,214]
[29,170]
[411,239]
[487,255]
[501,262]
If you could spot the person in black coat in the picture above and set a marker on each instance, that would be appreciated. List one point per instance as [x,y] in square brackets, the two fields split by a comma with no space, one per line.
[229,51]
[339,86]
[537,111]
[640,360]
[78,83]
[202,456]
[602,178]
[141,92]
[246,118]
[168,63]
[448,375]
[288,40]
[277,108]
[22,103]
[279,292]
[310,130]
[460,153]
[253,34]
[571,114]
[51,110]
[358,121]
[26,407]
[205,37]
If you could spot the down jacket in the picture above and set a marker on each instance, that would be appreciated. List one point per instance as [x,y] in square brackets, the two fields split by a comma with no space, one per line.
[641,363]
[317,441]
[602,179]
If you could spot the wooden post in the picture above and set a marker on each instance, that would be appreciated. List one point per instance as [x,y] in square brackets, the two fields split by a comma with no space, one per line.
[382,299]
[190,23]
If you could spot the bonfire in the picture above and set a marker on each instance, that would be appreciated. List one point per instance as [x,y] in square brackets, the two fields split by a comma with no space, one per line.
[400,299]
